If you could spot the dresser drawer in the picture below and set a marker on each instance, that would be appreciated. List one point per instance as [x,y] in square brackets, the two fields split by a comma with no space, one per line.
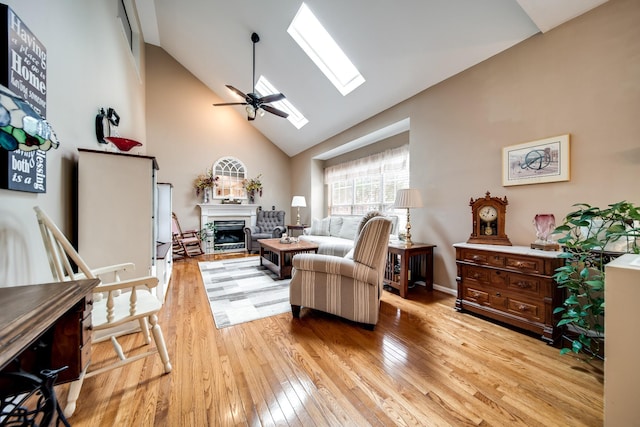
[88,305]
[483,258]
[85,355]
[477,275]
[86,331]
[528,265]
[476,295]
[524,284]
[532,310]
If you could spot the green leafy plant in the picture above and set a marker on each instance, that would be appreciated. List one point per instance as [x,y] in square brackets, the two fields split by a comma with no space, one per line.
[591,237]
[208,230]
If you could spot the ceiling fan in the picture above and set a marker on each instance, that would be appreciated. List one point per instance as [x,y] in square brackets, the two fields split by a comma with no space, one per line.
[254,103]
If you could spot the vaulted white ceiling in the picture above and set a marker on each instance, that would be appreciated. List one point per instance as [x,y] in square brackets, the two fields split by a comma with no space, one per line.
[401,47]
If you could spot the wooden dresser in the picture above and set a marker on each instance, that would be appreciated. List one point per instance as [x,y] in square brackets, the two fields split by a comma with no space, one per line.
[511,284]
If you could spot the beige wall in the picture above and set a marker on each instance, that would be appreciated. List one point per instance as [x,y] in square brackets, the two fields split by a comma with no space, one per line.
[582,78]
[89,66]
[187,135]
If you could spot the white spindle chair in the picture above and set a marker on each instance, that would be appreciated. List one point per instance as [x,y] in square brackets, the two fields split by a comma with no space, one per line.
[116,303]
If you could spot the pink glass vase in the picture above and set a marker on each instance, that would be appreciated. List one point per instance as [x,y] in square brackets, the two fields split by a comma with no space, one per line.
[544,224]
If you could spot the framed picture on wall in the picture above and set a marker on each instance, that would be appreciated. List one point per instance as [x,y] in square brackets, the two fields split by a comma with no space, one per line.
[536,162]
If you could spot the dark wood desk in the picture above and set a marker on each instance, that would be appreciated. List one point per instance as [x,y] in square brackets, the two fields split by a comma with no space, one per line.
[409,264]
[46,326]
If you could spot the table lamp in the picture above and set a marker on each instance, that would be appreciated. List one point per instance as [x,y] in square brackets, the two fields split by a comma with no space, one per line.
[297,202]
[405,199]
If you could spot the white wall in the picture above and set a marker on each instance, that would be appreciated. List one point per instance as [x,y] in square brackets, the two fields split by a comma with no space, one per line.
[89,66]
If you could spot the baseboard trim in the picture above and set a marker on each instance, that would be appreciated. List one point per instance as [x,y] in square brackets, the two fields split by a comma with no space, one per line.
[446,290]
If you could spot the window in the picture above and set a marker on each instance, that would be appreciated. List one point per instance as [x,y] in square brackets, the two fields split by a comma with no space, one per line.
[130,29]
[359,186]
[230,172]
[323,50]
[126,23]
[264,87]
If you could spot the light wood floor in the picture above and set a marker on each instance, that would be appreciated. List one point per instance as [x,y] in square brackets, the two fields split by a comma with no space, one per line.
[425,364]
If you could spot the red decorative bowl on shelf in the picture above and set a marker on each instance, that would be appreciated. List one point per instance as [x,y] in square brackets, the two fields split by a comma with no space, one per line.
[123,144]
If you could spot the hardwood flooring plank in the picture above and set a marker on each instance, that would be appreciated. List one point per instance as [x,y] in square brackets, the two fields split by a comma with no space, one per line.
[424,364]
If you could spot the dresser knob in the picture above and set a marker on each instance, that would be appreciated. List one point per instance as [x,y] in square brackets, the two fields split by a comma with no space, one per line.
[498,294]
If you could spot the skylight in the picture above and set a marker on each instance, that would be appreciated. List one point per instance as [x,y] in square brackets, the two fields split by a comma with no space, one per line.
[318,44]
[264,87]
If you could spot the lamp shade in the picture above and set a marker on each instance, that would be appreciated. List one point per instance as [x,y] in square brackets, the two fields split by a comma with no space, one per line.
[408,198]
[298,201]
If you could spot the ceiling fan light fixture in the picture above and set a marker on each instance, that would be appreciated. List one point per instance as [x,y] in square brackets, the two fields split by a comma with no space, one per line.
[251,112]
[252,101]
[264,86]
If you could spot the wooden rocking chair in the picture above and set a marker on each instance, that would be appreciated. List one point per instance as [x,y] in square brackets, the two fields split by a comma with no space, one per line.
[185,243]
[125,301]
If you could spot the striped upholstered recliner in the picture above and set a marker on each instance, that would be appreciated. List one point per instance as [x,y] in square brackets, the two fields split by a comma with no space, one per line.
[348,287]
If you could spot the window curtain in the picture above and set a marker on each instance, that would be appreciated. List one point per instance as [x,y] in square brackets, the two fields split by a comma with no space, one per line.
[388,161]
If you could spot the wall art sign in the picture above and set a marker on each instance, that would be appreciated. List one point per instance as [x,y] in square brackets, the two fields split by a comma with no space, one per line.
[23,70]
[536,162]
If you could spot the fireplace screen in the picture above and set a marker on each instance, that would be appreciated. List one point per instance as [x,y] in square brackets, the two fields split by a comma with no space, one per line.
[229,235]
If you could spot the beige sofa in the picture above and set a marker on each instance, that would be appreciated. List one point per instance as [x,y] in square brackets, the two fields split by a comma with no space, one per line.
[335,234]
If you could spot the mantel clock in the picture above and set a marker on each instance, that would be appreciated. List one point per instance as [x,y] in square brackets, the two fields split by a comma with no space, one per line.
[488,219]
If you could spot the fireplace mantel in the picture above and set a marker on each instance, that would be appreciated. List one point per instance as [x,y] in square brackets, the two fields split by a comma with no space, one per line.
[212,211]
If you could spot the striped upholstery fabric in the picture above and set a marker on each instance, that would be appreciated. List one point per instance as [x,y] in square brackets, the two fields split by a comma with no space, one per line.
[349,288]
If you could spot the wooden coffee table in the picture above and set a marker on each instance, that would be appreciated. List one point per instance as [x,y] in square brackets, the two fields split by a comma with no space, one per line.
[277,256]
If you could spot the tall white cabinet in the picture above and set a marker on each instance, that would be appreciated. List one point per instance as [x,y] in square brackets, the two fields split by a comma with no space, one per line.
[117,208]
[621,374]
[164,254]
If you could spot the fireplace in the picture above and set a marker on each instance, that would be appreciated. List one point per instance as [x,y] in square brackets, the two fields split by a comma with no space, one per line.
[230,219]
[229,235]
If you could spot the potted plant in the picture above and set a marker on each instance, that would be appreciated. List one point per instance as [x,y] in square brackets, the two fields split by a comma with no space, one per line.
[204,183]
[253,186]
[207,235]
[591,237]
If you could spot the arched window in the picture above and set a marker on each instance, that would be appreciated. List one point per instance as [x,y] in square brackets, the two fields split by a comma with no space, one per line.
[231,173]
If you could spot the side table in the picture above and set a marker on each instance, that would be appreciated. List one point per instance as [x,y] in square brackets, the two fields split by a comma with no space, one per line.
[409,264]
[299,227]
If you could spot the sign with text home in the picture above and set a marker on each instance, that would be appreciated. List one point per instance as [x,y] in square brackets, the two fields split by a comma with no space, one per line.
[23,70]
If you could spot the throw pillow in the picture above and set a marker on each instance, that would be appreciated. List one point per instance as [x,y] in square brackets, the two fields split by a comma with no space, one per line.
[365,218]
[320,227]
[335,225]
[349,228]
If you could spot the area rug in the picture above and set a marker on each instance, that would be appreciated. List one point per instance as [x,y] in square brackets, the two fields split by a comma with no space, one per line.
[240,290]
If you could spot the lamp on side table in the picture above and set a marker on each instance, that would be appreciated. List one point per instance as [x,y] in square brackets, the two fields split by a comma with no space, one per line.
[405,199]
[298,202]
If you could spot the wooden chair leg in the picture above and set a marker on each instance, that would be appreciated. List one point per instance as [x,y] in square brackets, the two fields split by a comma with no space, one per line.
[144,327]
[74,393]
[160,344]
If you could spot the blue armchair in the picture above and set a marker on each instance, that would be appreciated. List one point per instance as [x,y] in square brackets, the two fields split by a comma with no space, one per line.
[269,225]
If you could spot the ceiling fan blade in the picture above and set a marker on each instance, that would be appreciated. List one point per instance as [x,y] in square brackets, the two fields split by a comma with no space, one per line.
[229,103]
[236,91]
[272,98]
[275,111]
